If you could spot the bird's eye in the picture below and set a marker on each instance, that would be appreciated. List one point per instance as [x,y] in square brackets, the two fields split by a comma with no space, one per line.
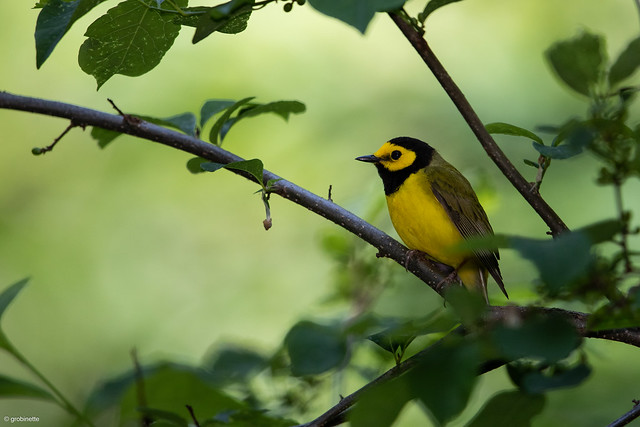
[395,154]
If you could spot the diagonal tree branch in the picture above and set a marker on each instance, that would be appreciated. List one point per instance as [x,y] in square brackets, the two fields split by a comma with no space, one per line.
[553,221]
[628,417]
[80,116]
[387,246]
[422,268]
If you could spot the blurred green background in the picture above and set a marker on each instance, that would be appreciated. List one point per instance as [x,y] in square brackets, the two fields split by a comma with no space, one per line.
[127,249]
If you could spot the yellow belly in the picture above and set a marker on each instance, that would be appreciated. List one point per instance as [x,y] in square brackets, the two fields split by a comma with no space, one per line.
[421,221]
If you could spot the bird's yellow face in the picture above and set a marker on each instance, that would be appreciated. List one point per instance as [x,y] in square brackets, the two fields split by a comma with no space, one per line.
[394,157]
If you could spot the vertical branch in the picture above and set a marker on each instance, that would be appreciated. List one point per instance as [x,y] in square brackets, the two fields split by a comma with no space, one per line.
[553,221]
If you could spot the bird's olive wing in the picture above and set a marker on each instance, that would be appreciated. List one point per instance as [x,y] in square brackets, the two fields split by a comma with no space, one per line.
[460,202]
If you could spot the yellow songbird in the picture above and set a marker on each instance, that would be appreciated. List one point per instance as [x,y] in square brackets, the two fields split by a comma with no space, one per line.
[433,208]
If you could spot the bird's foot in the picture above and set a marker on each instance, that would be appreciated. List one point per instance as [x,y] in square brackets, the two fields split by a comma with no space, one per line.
[412,253]
[451,278]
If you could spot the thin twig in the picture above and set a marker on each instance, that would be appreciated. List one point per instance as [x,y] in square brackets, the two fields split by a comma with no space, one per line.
[42,150]
[553,221]
[628,417]
[193,415]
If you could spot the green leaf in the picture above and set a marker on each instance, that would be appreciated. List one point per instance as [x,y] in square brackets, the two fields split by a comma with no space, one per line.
[54,20]
[130,39]
[379,406]
[626,64]
[216,135]
[12,388]
[314,348]
[401,333]
[538,379]
[573,137]
[559,261]
[618,314]
[194,165]
[185,122]
[253,167]
[168,387]
[507,129]
[7,296]
[212,107]
[231,18]
[211,166]
[545,338]
[445,378]
[235,364]
[282,108]
[432,6]
[579,62]
[470,307]
[509,408]
[357,13]
[103,136]
[602,231]
[564,151]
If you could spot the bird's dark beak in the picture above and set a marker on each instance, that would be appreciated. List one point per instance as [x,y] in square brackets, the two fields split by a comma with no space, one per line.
[369,159]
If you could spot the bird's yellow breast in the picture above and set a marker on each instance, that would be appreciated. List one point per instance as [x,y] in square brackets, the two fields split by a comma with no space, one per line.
[422,222]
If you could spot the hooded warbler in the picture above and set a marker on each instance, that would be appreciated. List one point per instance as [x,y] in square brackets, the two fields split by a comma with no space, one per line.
[433,208]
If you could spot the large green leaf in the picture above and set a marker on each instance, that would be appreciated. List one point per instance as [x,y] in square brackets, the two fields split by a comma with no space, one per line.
[233,364]
[509,408]
[538,378]
[559,261]
[12,388]
[445,378]
[380,405]
[314,348]
[168,387]
[579,62]
[130,39]
[357,13]
[545,338]
[54,20]
[626,64]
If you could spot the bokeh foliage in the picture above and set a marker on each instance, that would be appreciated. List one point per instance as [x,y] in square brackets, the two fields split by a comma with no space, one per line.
[546,353]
